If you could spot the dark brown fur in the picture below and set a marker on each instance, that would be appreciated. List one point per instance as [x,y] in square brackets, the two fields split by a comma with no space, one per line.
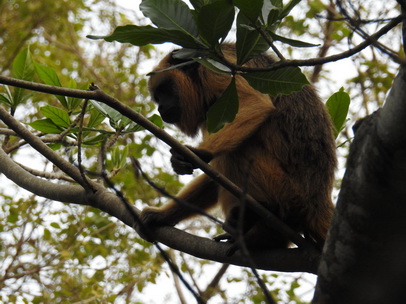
[285,143]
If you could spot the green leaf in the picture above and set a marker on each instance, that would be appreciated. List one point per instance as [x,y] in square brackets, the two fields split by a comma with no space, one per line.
[54,146]
[292,42]
[270,10]
[4,98]
[114,116]
[58,116]
[273,19]
[119,157]
[46,126]
[96,117]
[337,106]
[72,102]
[224,109]
[251,9]
[49,77]
[170,15]
[214,66]
[55,225]
[215,21]
[155,119]
[282,81]
[95,140]
[143,35]
[23,68]
[249,42]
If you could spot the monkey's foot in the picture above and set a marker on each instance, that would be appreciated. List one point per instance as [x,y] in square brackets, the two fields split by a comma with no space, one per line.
[150,218]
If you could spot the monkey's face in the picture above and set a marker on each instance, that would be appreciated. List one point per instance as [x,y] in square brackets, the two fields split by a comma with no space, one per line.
[167,98]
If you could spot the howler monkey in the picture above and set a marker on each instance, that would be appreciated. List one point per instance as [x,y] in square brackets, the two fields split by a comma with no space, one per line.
[280,149]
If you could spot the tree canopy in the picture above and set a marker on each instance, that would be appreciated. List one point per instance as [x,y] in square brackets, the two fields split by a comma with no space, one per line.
[83,151]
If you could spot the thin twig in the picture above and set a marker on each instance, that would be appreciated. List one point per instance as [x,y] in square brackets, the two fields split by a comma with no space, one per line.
[80,132]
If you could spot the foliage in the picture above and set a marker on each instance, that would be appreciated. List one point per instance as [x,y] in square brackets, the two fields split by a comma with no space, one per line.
[63,253]
[205,28]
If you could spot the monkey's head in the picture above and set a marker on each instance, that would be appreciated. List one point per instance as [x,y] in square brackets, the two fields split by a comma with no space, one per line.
[184,94]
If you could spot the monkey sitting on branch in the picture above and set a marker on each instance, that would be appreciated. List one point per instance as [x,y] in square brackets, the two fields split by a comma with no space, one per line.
[280,149]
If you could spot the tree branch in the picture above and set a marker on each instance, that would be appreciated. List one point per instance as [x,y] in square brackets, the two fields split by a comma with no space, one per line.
[318,61]
[38,186]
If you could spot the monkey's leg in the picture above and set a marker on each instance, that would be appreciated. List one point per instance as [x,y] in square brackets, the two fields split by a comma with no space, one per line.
[199,195]
[231,226]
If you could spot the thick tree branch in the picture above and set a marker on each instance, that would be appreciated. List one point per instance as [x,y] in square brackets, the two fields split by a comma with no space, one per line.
[281,260]
[38,186]
[368,235]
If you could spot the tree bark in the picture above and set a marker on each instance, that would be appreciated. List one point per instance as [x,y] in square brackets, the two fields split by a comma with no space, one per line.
[364,259]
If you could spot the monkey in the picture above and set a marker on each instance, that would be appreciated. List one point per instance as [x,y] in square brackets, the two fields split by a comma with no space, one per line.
[280,149]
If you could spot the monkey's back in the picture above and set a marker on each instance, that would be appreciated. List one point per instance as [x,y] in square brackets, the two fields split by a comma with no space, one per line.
[289,163]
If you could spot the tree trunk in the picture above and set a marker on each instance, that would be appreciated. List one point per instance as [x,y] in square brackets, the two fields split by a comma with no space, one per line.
[364,260]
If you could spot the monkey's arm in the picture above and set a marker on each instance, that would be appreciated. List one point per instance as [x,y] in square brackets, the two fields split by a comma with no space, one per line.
[254,110]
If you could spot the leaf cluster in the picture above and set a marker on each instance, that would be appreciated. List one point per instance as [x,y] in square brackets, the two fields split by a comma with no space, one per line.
[200,30]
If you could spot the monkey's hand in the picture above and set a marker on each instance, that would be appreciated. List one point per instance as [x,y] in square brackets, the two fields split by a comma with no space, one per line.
[182,165]
[150,218]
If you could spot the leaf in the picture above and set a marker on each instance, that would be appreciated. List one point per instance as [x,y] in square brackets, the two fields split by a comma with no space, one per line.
[55,225]
[214,66]
[23,68]
[337,106]
[251,9]
[170,15]
[4,98]
[119,157]
[72,102]
[224,109]
[114,116]
[46,126]
[143,35]
[270,10]
[249,42]
[95,140]
[292,42]
[215,20]
[49,77]
[58,116]
[282,81]
[96,117]
[155,119]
